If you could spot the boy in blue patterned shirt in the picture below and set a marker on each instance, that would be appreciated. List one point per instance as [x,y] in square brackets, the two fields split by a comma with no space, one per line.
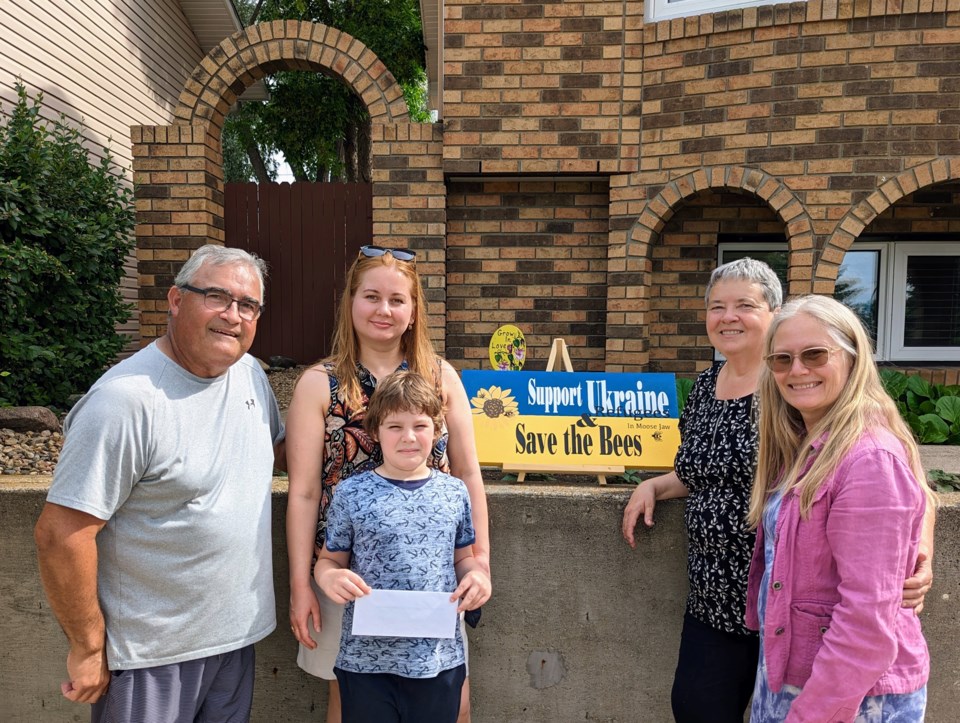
[401,526]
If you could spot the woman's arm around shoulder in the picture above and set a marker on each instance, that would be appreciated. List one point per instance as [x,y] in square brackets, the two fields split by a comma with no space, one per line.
[306,428]
[462,450]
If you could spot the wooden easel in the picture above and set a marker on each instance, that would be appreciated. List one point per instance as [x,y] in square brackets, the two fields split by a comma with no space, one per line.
[559,352]
[559,349]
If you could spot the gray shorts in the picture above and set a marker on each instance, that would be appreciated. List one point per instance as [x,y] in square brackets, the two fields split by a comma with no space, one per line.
[319,662]
[217,689]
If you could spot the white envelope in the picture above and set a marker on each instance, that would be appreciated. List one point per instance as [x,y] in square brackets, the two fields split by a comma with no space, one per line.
[405,614]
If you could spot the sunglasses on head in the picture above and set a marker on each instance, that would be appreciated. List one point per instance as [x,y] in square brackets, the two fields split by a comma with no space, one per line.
[372,252]
[815,356]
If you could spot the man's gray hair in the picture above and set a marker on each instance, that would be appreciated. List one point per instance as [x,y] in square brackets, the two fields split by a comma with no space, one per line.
[214,255]
[751,271]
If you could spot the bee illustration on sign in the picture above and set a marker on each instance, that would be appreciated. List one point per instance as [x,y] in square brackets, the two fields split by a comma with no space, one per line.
[508,349]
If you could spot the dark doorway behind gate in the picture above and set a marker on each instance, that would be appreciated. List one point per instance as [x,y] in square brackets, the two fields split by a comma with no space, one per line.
[309,234]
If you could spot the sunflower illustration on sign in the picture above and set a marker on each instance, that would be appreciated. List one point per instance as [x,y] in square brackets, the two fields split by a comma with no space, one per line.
[495,402]
[508,349]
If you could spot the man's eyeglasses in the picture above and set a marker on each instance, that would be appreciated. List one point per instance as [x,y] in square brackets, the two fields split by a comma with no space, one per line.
[372,252]
[219,300]
[816,356]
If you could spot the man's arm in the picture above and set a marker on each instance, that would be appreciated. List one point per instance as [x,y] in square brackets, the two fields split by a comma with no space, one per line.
[67,552]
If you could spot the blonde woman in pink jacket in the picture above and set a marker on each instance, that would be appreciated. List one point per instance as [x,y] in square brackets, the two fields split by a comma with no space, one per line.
[839,505]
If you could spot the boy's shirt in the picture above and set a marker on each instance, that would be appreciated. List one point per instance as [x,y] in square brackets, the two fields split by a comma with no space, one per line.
[400,540]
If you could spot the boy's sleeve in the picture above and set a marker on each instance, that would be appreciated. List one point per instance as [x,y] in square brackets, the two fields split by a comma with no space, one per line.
[339,526]
[465,533]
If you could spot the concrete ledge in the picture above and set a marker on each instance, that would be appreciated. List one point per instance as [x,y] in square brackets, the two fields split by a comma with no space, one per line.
[580,627]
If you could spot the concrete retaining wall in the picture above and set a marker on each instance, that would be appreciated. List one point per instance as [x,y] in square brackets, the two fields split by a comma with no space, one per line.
[580,627]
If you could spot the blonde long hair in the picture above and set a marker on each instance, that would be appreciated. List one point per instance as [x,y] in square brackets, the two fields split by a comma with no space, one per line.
[414,344]
[863,404]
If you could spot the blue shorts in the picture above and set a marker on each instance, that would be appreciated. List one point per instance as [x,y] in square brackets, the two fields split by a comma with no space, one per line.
[216,689]
[388,698]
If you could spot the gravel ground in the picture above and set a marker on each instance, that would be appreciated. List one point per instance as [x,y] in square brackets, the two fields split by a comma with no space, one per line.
[36,453]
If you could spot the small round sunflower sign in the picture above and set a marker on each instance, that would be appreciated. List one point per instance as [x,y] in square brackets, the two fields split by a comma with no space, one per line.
[508,349]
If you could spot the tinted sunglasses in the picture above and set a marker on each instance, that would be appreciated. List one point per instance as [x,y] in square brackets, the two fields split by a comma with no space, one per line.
[372,252]
[815,356]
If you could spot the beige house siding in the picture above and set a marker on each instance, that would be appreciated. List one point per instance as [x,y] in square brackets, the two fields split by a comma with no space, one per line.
[108,63]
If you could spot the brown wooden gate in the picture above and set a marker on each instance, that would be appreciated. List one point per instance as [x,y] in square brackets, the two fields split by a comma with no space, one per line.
[309,234]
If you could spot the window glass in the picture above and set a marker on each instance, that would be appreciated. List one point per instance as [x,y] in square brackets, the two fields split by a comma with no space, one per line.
[932,315]
[858,281]
[858,286]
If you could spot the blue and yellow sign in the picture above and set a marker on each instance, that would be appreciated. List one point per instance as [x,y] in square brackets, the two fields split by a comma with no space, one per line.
[571,418]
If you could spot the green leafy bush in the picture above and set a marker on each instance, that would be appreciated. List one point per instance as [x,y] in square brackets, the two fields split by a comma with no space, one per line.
[931,410]
[65,229]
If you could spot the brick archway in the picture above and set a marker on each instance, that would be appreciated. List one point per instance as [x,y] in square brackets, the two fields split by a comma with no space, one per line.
[178,169]
[628,303]
[258,51]
[863,214]
[770,190]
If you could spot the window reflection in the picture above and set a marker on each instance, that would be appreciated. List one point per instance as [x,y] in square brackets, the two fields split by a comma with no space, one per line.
[858,286]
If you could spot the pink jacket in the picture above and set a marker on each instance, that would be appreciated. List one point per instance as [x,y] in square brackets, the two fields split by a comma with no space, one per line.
[834,625]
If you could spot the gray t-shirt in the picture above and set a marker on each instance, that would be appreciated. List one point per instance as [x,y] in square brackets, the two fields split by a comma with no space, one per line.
[181,468]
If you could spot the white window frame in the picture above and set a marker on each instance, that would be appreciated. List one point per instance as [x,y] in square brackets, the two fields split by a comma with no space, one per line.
[901,253]
[891,294]
[657,10]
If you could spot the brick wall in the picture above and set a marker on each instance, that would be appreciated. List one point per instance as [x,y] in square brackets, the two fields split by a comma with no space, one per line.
[409,207]
[540,87]
[532,253]
[806,110]
[822,118]
[178,177]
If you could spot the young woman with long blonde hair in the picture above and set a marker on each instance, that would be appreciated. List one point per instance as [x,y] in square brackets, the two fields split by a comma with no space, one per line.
[381,327]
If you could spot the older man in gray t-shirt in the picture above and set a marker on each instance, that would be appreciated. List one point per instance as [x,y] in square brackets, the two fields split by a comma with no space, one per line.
[161,501]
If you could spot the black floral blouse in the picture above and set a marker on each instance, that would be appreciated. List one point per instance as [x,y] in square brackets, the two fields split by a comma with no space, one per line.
[716,461]
[348,449]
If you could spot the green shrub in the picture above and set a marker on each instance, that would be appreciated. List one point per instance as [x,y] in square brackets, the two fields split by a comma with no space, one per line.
[931,410]
[943,481]
[65,229]
[684,387]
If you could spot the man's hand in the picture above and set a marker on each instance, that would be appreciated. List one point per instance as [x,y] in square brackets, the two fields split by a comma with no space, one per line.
[89,676]
[915,589]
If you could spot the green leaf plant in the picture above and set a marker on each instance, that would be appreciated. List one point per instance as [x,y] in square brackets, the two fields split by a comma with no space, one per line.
[931,410]
[65,230]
